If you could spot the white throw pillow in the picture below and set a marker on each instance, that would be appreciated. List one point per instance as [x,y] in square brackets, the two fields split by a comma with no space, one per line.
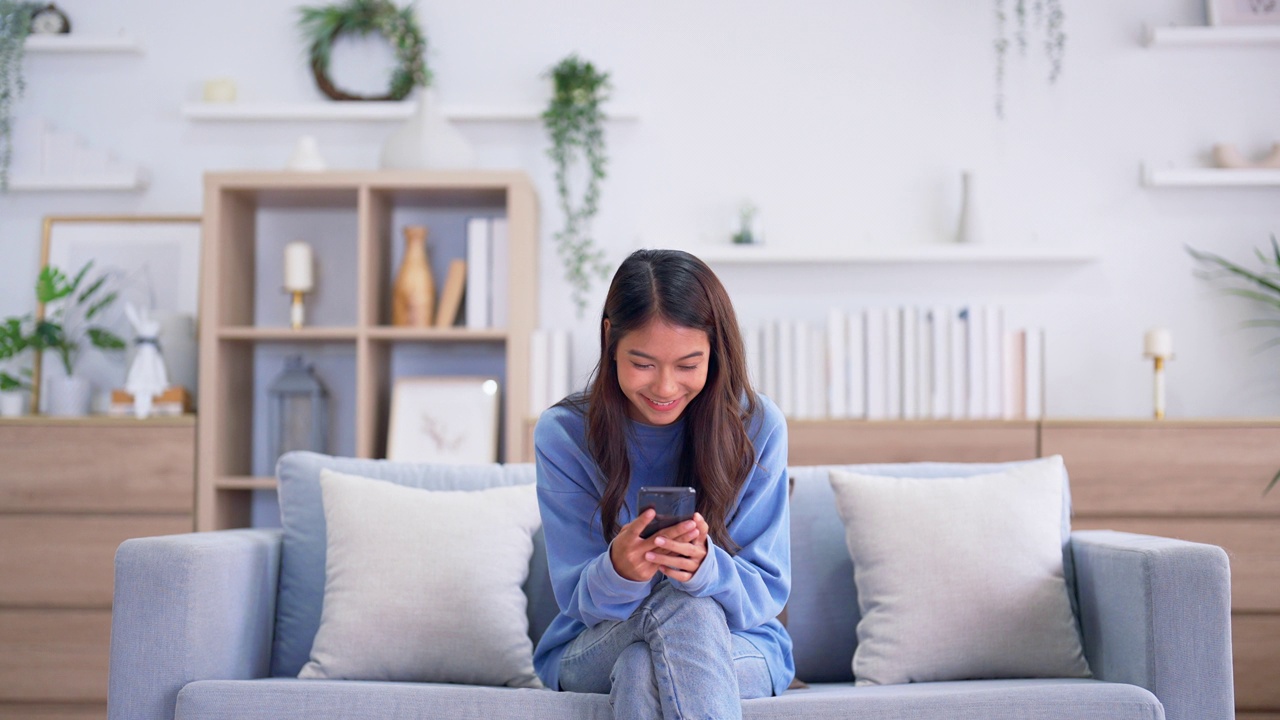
[425,586]
[960,578]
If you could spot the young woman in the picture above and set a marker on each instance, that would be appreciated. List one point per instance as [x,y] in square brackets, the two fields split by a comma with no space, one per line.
[684,623]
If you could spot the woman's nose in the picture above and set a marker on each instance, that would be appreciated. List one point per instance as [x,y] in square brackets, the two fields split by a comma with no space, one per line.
[666,384]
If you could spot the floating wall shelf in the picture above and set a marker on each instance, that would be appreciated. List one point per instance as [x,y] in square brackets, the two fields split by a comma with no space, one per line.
[72,43]
[361,111]
[920,253]
[1213,35]
[113,183]
[1210,177]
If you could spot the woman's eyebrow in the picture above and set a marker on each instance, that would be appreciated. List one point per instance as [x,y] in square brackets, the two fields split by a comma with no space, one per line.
[647,356]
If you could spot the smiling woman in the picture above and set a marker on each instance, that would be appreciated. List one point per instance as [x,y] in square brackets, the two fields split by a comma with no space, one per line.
[669,404]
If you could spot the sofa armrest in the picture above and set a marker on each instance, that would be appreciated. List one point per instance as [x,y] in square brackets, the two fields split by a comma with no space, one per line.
[1156,613]
[189,607]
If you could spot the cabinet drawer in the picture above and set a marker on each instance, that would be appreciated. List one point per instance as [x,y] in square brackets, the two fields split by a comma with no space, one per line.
[68,560]
[1175,470]
[97,467]
[54,711]
[54,655]
[838,442]
[1252,544]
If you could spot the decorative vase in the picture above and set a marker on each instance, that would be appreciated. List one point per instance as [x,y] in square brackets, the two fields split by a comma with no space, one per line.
[69,396]
[427,141]
[13,403]
[414,295]
[970,228]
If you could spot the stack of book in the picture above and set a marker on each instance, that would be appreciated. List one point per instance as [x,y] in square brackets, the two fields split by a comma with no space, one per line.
[550,369]
[487,274]
[900,363]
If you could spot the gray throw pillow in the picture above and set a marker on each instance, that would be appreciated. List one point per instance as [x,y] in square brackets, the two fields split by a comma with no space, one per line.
[960,577]
[425,586]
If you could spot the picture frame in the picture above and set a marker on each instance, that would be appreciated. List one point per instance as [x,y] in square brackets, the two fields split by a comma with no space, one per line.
[1243,12]
[444,419]
[152,261]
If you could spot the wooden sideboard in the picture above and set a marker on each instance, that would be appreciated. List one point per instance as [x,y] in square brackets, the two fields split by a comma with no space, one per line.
[71,490]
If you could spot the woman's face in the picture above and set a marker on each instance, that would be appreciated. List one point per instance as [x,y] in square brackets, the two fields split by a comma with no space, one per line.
[661,369]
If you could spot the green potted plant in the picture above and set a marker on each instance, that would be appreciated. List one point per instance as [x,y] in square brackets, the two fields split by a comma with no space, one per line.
[15,383]
[1261,286]
[574,121]
[15,26]
[71,304]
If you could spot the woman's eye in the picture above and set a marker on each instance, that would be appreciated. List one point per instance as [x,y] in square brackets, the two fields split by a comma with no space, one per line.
[688,367]
[640,366]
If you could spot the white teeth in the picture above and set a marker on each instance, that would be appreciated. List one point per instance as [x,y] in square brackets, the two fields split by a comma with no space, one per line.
[662,404]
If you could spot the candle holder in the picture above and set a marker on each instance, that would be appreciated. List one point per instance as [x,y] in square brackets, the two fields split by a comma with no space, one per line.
[298,279]
[1158,347]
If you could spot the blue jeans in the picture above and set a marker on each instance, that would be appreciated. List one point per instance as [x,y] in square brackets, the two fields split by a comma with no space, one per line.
[673,658]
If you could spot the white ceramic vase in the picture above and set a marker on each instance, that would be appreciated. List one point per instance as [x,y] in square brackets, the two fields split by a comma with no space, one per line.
[970,227]
[69,396]
[13,403]
[427,141]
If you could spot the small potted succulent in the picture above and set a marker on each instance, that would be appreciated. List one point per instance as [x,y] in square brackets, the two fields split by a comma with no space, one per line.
[71,304]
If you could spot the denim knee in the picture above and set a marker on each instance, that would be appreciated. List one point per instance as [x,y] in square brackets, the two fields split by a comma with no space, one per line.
[633,666]
[670,606]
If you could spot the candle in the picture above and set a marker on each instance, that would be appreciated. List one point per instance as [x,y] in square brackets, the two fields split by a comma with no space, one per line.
[1159,343]
[297,267]
[220,90]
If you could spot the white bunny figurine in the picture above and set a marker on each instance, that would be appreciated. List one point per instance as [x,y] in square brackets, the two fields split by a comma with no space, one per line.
[147,375]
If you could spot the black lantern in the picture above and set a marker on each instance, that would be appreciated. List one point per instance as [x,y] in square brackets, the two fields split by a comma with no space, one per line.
[299,410]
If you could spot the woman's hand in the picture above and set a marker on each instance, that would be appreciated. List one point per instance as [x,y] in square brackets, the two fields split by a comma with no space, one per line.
[676,552]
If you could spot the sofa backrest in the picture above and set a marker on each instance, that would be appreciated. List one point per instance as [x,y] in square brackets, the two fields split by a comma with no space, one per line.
[302,560]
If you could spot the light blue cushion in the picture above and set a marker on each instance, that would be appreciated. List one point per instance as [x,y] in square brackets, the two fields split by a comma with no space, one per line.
[822,613]
[302,559]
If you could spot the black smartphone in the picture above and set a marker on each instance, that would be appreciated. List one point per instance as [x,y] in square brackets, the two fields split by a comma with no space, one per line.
[673,505]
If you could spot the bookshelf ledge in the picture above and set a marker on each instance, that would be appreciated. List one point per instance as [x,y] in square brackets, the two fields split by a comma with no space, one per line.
[1210,177]
[73,43]
[363,112]
[1201,35]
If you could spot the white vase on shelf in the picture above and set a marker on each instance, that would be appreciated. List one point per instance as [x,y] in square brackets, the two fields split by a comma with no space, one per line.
[13,403]
[427,141]
[969,231]
[69,396]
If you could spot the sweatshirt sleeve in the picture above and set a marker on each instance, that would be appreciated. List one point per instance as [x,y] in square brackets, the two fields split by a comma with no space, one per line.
[753,585]
[586,585]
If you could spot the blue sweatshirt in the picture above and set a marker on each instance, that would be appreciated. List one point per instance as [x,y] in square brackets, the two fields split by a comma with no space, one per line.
[752,586]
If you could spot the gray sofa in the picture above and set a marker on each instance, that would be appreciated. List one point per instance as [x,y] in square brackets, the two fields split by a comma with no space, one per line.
[198,617]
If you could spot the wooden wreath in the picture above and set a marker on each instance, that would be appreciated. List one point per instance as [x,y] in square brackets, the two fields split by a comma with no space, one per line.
[322,26]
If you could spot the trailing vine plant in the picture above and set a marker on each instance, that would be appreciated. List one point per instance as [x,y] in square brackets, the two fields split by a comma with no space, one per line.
[1049,18]
[15,26]
[321,26]
[575,124]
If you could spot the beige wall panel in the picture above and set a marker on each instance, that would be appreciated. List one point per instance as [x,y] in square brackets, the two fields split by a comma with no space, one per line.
[96,467]
[1256,648]
[54,655]
[854,441]
[1149,469]
[69,560]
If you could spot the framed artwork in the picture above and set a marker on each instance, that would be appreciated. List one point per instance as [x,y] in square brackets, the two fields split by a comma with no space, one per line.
[150,261]
[1243,12]
[444,419]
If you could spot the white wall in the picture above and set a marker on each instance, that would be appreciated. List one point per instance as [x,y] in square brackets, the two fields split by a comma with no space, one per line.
[846,122]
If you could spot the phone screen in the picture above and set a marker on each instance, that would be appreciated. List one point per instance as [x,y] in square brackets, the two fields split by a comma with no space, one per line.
[673,505]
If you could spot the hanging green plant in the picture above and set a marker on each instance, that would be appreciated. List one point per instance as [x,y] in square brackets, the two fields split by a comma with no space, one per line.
[321,26]
[1049,18]
[575,124]
[15,26]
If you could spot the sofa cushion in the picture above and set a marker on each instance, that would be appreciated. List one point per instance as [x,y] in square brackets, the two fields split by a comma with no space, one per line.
[425,586]
[960,577]
[302,554]
[822,612]
[282,699]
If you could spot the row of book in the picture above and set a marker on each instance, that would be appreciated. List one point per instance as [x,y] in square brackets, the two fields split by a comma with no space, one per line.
[487,273]
[550,372]
[900,363]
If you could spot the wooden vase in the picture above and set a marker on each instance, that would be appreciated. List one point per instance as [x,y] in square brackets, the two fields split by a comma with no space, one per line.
[414,295]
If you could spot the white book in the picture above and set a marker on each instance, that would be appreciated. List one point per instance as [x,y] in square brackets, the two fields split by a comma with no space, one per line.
[786,369]
[893,363]
[819,407]
[836,367]
[1015,381]
[478,271]
[995,361]
[752,346]
[975,368]
[877,362]
[939,396]
[855,373]
[910,363]
[539,372]
[958,401]
[559,366]
[770,355]
[799,386]
[500,273]
[1033,391]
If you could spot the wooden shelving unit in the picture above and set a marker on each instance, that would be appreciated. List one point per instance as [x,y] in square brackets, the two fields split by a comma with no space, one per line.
[354,221]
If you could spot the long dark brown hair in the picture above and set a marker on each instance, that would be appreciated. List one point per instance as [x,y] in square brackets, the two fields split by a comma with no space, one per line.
[718,455]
